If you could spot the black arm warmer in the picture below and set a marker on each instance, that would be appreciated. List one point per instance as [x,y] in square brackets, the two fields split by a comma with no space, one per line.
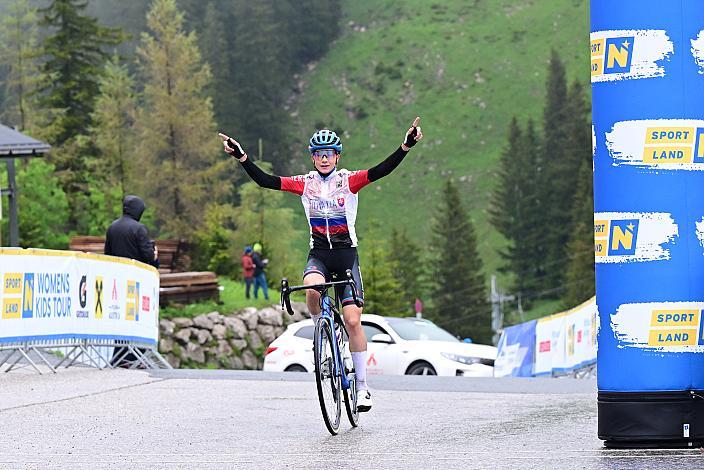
[387,166]
[265,180]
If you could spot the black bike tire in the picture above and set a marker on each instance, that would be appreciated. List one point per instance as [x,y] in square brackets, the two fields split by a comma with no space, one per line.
[351,402]
[322,327]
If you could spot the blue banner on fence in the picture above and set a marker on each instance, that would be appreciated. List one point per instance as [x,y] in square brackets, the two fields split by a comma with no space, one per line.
[516,351]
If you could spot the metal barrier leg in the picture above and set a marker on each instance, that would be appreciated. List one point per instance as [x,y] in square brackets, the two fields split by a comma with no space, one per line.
[121,355]
[100,356]
[87,353]
[147,358]
[44,359]
[80,353]
[161,359]
[140,358]
[26,356]
[19,357]
[7,358]
[66,357]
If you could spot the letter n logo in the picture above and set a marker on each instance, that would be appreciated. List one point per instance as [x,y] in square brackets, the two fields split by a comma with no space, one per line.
[623,237]
[699,145]
[619,52]
[28,296]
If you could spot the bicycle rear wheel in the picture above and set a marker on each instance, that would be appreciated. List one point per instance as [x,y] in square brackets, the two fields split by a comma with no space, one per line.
[328,383]
[351,399]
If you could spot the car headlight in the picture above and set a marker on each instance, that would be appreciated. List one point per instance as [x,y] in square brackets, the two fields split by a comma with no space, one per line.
[462,359]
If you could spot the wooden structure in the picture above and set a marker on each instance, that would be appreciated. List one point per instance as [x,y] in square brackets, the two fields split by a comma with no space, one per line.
[176,284]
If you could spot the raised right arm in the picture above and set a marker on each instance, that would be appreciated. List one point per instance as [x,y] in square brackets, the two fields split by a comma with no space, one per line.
[259,176]
[265,180]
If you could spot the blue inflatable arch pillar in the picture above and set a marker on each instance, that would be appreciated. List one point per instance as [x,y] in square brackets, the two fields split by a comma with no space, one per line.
[647,70]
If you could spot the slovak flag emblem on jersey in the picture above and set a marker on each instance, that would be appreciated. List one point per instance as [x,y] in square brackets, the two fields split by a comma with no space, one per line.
[341,201]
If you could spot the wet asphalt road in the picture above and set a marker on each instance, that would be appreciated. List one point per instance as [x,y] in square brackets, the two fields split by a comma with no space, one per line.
[84,418]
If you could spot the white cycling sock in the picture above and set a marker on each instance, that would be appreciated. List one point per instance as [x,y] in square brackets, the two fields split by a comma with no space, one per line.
[359,359]
[315,317]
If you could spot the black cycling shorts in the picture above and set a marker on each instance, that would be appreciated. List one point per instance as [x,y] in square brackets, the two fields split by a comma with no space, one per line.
[337,262]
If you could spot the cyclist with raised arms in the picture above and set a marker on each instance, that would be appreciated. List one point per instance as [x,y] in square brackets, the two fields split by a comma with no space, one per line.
[329,197]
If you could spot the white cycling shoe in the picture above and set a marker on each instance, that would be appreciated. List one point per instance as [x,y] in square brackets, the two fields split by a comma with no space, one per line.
[364,400]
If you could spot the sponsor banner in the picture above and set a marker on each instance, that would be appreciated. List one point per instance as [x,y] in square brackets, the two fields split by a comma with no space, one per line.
[553,345]
[698,51]
[516,351]
[662,326]
[623,237]
[628,54]
[49,294]
[567,341]
[664,144]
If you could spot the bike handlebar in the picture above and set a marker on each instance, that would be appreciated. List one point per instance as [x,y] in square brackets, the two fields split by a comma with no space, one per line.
[286,290]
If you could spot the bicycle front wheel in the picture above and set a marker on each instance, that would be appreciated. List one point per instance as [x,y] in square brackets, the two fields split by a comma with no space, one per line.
[327,381]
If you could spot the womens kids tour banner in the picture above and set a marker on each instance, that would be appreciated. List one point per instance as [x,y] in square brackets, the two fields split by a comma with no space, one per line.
[56,295]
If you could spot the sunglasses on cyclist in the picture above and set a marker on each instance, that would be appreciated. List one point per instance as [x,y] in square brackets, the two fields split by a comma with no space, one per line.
[319,154]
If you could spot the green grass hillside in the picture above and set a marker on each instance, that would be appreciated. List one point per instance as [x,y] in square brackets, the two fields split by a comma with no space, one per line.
[466,67]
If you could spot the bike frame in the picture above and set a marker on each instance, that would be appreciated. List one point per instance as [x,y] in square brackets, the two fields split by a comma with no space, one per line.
[330,313]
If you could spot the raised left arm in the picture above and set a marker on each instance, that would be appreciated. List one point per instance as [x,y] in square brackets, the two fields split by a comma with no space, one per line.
[362,178]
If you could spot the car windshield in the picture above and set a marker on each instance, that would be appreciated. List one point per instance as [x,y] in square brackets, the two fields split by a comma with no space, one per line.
[419,330]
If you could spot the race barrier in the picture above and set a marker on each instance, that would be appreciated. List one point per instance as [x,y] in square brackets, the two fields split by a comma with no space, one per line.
[84,305]
[647,73]
[560,344]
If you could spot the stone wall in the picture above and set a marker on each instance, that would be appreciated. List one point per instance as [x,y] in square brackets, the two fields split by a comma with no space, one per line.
[235,341]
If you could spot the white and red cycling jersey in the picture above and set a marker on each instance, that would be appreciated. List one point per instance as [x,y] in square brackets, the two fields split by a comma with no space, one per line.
[330,203]
[330,200]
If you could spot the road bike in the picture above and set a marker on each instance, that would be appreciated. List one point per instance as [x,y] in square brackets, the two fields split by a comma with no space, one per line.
[334,371]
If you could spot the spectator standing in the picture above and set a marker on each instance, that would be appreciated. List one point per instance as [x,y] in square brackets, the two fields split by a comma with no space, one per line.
[128,238]
[259,275]
[247,269]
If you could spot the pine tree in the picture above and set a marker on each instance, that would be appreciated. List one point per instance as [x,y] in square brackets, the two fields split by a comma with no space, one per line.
[18,34]
[179,154]
[534,233]
[382,290]
[112,132]
[556,190]
[407,267]
[579,278]
[578,147]
[509,199]
[74,60]
[217,52]
[516,210]
[459,293]
[260,77]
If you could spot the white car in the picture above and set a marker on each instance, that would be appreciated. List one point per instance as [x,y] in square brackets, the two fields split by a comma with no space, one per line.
[396,346]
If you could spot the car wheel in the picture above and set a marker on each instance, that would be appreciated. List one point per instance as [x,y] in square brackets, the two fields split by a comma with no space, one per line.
[421,368]
[295,368]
